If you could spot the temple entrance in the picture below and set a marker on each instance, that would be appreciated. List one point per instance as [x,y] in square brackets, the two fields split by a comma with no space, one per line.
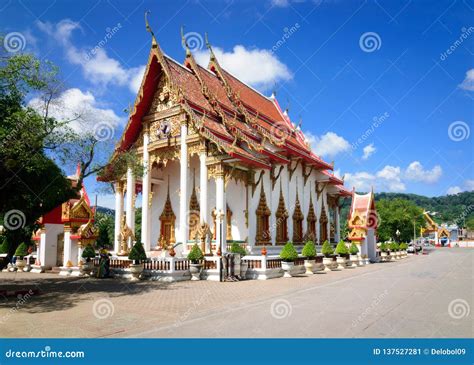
[60,250]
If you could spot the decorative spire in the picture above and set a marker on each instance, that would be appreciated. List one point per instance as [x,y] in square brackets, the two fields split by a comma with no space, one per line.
[208,45]
[154,43]
[185,43]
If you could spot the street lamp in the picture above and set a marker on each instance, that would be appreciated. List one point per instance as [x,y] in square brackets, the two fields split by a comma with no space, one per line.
[398,235]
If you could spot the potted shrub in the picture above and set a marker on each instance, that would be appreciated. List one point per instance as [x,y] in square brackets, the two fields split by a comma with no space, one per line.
[237,249]
[309,252]
[327,251]
[341,251]
[394,251]
[288,256]
[3,252]
[196,257]
[137,255]
[403,249]
[353,251]
[20,254]
[88,254]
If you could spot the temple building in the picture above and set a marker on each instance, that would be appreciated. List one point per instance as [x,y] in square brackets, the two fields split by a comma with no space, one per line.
[220,160]
[63,234]
[363,223]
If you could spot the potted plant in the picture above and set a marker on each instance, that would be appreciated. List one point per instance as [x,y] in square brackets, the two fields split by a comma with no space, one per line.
[196,257]
[288,256]
[384,252]
[394,251]
[20,254]
[327,251]
[309,252]
[88,254]
[137,255]
[403,249]
[354,259]
[3,252]
[342,251]
[235,248]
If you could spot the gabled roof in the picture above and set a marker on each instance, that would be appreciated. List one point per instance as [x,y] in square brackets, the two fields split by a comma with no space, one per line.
[232,115]
[363,207]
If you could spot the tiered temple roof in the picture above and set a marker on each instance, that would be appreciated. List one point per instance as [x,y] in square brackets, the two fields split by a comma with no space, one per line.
[236,118]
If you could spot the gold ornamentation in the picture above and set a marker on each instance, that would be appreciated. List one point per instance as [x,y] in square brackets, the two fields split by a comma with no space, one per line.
[263,213]
[167,220]
[125,235]
[298,218]
[282,220]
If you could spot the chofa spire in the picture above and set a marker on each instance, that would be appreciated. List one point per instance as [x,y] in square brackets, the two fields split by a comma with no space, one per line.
[208,45]
[154,43]
[185,42]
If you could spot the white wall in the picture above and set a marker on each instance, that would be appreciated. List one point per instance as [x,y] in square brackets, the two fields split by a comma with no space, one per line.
[51,243]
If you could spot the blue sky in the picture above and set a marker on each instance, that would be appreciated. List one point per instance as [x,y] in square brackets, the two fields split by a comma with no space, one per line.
[384,88]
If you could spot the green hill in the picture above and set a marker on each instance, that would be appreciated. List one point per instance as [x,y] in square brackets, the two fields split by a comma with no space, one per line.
[449,208]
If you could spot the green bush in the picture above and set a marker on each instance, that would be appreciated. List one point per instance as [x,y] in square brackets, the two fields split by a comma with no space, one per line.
[383,247]
[236,248]
[403,246]
[309,250]
[195,255]
[394,247]
[3,245]
[341,248]
[88,253]
[22,250]
[137,253]
[288,252]
[353,250]
[327,249]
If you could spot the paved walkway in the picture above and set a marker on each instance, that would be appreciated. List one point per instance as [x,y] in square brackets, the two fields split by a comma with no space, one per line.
[422,296]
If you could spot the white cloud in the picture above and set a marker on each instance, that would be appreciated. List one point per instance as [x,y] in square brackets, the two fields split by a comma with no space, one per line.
[281,3]
[81,108]
[328,145]
[368,151]
[416,172]
[468,83]
[469,185]
[257,67]
[96,65]
[453,190]
[386,179]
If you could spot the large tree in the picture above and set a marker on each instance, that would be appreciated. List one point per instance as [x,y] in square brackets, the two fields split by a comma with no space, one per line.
[398,215]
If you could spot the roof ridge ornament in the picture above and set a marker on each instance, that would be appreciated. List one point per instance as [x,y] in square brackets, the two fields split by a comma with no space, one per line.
[154,43]
[209,47]
[185,42]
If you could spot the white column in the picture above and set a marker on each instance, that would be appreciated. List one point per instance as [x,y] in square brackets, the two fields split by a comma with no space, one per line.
[41,254]
[146,183]
[130,202]
[338,224]
[67,248]
[203,187]
[118,215]
[79,254]
[221,218]
[183,225]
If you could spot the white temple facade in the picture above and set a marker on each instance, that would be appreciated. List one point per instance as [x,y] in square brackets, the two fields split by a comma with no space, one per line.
[222,163]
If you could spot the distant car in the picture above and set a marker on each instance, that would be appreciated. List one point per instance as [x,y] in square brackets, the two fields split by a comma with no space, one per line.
[411,248]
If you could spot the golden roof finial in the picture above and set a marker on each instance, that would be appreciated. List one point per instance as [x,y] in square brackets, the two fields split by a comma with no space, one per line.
[209,47]
[148,28]
[184,42]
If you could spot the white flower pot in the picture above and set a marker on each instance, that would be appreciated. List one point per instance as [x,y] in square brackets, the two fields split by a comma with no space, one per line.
[287,268]
[327,262]
[341,263]
[361,260]
[318,267]
[309,266]
[195,270]
[354,260]
[384,256]
[136,270]
[20,264]
[244,266]
[86,268]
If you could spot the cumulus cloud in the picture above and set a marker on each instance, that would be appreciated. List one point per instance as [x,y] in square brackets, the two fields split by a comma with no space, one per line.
[453,190]
[469,185]
[416,172]
[256,67]
[96,65]
[468,83]
[80,108]
[329,144]
[368,151]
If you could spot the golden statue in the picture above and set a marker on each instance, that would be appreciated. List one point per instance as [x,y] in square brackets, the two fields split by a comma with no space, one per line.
[126,233]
